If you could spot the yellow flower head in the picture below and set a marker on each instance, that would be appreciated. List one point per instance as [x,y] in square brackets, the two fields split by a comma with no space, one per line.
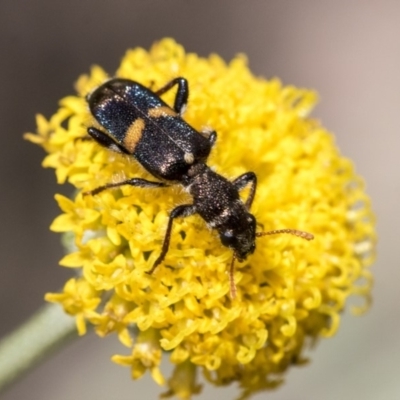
[289,292]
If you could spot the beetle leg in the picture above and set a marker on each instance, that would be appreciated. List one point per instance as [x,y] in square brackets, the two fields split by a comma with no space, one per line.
[212,138]
[104,140]
[182,94]
[243,180]
[132,182]
[209,134]
[184,210]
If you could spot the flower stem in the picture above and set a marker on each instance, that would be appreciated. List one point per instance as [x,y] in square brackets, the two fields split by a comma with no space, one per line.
[24,348]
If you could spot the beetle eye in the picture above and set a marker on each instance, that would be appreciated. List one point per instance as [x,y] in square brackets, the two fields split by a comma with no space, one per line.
[227,238]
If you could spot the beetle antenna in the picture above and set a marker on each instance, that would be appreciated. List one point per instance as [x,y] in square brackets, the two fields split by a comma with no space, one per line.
[232,284]
[295,232]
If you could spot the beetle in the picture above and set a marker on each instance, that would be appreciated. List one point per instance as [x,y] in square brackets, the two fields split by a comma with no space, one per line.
[135,121]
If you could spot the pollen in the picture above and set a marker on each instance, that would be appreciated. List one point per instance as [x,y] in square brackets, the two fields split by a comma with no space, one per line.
[289,292]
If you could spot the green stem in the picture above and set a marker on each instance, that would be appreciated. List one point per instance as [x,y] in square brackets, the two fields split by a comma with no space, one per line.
[48,329]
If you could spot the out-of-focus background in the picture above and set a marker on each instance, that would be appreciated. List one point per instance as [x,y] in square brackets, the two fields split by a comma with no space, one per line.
[349,51]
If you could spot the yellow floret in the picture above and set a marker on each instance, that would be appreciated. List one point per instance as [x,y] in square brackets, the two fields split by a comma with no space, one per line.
[288,293]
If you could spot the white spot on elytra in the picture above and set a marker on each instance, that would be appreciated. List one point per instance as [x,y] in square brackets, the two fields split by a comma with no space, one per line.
[189,158]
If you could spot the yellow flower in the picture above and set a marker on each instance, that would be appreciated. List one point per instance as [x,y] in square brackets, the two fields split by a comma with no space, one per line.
[146,354]
[289,292]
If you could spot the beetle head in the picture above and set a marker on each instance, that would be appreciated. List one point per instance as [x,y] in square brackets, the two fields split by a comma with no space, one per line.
[240,237]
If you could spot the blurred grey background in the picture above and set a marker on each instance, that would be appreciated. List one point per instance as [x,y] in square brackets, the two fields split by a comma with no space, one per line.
[349,51]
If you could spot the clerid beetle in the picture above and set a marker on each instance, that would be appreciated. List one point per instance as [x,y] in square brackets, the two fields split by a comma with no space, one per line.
[138,123]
